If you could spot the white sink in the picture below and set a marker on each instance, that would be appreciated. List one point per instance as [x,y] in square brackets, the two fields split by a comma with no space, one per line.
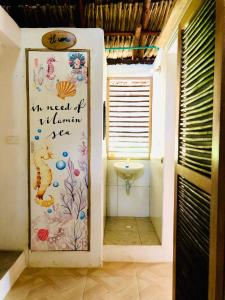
[128,170]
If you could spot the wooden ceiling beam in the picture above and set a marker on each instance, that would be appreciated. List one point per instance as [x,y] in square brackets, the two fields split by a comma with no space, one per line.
[146,13]
[131,33]
[137,36]
[145,20]
[81,10]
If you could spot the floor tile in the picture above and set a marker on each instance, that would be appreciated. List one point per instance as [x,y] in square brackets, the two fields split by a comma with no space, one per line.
[49,283]
[121,224]
[130,231]
[149,238]
[120,237]
[114,281]
[112,284]
[144,224]
[155,282]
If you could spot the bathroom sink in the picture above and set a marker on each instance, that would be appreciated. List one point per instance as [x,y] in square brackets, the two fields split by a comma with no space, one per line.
[128,170]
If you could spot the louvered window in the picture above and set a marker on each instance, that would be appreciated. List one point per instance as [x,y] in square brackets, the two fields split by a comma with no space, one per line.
[128,125]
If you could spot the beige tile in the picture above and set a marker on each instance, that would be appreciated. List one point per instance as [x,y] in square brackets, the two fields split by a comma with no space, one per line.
[153,291]
[124,268]
[116,224]
[115,281]
[46,284]
[149,238]
[155,281]
[161,270]
[144,224]
[121,237]
[110,284]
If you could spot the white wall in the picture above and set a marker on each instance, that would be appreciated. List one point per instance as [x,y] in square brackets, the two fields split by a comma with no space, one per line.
[169,150]
[134,204]
[157,150]
[104,153]
[13,158]
[13,181]
[156,192]
[162,174]
[158,113]
[13,171]
[10,33]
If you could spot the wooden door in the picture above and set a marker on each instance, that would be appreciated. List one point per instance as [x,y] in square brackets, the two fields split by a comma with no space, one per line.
[199,203]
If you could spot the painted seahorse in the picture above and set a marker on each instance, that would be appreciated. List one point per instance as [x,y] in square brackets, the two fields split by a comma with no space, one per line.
[50,71]
[38,74]
[43,176]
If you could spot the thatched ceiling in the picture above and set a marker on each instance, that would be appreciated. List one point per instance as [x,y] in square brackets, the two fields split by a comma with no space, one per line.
[125,23]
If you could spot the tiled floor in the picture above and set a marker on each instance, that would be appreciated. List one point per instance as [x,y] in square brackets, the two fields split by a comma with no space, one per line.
[130,231]
[7,259]
[115,281]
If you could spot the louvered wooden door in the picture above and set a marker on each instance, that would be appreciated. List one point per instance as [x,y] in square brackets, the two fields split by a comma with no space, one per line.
[197,156]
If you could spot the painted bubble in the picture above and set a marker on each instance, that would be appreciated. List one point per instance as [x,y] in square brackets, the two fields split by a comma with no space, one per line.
[60,165]
[39,130]
[49,210]
[36,137]
[82,215]
[80,77]
[42,234]
[65,154]
[55,184]
[76,172]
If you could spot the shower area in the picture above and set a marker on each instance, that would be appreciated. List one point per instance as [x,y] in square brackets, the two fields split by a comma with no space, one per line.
[132,218]
[135,149]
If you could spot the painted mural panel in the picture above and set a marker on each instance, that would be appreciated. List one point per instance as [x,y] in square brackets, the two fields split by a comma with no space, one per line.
[58,125]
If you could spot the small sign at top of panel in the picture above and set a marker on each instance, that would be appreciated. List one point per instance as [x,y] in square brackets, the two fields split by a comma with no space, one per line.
[58,40]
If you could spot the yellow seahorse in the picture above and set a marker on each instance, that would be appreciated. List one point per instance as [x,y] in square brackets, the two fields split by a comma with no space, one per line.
[43,176]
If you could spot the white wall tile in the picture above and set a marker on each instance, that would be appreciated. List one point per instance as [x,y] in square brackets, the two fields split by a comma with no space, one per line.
[112,199]
[136,204]
[111,174]
[118,202]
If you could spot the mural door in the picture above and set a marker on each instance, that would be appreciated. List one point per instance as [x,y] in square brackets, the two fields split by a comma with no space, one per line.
[58,148]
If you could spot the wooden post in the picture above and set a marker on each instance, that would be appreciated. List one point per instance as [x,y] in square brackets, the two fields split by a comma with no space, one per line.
[145,20]
[146,13]
[81,9]
[136,40]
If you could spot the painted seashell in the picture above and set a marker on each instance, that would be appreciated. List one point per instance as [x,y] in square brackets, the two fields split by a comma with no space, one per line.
[42,234]
[76,172]
[65,89]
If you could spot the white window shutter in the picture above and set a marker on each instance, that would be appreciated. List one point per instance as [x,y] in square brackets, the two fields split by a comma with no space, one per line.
[129,118]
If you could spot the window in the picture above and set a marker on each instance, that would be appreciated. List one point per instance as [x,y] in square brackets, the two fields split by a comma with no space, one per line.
[128,118]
